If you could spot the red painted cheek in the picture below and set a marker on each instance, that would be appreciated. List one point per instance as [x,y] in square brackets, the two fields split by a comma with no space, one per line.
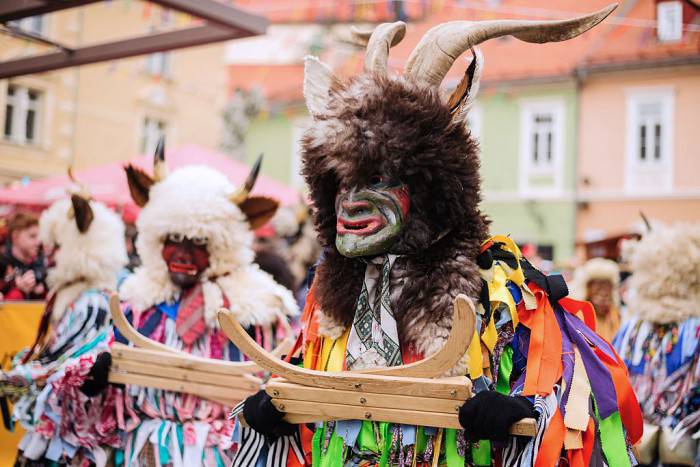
[201,258]
[404,200]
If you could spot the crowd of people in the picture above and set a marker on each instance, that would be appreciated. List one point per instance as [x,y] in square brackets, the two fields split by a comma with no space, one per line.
[366,280]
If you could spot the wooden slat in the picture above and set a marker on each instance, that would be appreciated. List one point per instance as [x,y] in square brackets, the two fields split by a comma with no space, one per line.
[246,382]
[299,412]
[321,411]
[129,332]
[280,389]
[448,388]
[190,362]
[215,393]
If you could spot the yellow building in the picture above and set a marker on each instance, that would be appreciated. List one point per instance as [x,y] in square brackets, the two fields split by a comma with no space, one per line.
[89,115]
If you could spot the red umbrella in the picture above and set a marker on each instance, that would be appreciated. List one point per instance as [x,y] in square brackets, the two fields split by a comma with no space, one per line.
[107,183]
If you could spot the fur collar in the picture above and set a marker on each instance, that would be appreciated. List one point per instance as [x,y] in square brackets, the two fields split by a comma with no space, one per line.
[253,296]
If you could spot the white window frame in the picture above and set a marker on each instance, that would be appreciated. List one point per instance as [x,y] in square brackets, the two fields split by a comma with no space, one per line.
[660,170]
[529,108]
[669,21]
[21,105]
[159,64]
[150,133]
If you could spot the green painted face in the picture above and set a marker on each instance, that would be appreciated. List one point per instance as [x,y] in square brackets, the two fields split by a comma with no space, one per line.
[370,219]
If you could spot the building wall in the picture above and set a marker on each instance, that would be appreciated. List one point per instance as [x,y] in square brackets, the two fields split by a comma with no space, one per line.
[608,207]
[546,219]
[94,114]
[277,136]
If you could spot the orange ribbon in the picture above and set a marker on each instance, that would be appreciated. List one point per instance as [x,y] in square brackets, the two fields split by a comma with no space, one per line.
[544,367]
[552,442]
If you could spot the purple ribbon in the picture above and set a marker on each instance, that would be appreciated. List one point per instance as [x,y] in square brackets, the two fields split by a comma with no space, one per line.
[602,384]
[567,360]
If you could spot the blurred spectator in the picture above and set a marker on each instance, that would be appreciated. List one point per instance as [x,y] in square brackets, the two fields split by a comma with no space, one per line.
[598,281]
[22,265]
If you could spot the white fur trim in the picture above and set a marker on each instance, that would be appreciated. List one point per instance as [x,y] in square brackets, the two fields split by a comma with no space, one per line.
[329,327]
[94,257]
[194,201]
[665,283]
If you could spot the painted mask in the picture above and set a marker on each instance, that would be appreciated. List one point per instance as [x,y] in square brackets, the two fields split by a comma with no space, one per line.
[600,293]
[370,219]
[186,258]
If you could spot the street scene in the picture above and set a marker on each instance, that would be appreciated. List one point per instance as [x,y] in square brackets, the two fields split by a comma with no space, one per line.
[349,233]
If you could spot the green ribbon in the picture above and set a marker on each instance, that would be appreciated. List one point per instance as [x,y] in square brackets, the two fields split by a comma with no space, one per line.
[164,452]
[612,438]
[481,453]
[451,454]
[505,368]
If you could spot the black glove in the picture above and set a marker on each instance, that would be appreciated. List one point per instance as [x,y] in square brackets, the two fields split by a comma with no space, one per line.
[263,417]
[96,381]
[489,415]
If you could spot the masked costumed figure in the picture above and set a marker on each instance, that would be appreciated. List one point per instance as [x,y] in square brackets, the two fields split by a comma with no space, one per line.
[394,180]
[598,281]
[660,341]
[61,378]
[195,243]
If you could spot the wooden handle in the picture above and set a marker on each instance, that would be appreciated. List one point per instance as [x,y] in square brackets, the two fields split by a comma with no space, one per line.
[299,412]
[448,388]
[139,340]
[218,394]
[128,331]
[183,360]
[247,382]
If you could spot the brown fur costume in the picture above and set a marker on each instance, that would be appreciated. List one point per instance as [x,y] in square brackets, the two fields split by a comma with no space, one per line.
[402,130]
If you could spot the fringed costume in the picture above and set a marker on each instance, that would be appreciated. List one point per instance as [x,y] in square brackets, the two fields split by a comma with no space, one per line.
[64,407]
[393,174]
[660,342]
[195,242]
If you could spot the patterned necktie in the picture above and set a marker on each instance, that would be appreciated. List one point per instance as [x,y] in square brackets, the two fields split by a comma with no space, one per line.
[190,315]
[374,339]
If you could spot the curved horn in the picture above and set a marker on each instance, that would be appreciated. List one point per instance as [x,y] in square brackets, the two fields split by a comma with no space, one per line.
[160,169]
[434,55]
[378,43]
[242,193]
[82,189]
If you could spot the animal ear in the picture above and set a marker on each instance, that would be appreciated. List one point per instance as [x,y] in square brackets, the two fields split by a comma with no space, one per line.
[139,184]
[259,210]
[464,95]
[82,212]
[318,79]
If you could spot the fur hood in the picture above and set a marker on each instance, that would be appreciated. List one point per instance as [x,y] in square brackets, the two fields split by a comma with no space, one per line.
[401,127]
[403,130]
[596,268]
[195,201]
[665,281]
[84,259]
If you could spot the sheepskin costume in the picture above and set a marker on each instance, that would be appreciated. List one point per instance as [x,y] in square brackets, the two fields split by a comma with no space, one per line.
[660,343]
[63,424]
[195,201]
[84,260]
[665,281]
[401,156]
